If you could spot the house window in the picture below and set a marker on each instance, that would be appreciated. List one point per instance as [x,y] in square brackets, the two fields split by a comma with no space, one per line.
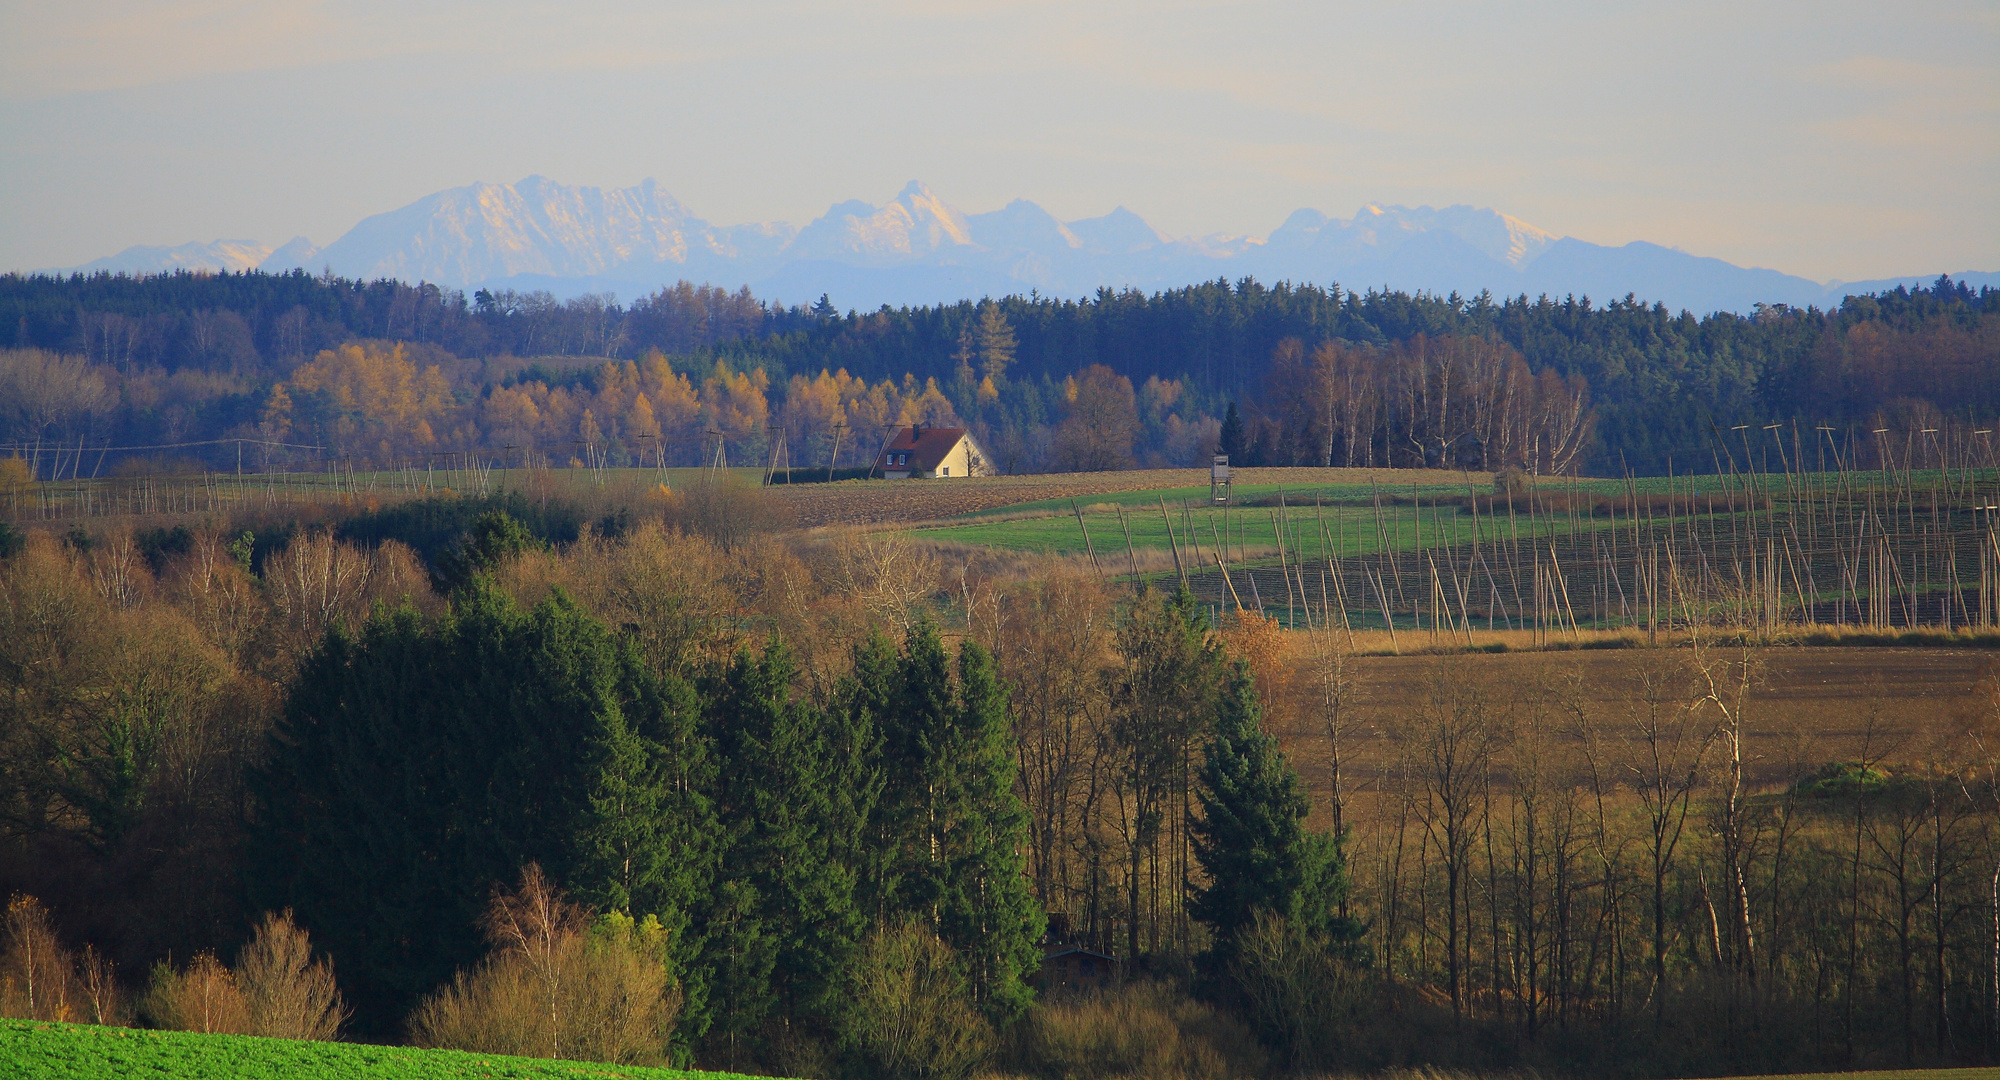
[946,471]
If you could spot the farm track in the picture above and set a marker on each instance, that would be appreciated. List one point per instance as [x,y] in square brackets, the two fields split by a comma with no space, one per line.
[873,502]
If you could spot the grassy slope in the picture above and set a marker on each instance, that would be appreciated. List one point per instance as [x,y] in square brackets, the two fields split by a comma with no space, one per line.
[36,1049]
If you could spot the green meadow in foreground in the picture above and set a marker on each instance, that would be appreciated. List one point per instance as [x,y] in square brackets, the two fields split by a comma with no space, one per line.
[1889,1074]
[30,1048]
[37,1049]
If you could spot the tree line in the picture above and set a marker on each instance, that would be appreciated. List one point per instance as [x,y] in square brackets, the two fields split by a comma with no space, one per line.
[189,355]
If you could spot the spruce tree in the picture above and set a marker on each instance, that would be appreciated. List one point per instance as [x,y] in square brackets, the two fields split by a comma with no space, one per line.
[1250,835]
[649,844]
[954,820]
[986,906]
[865,703]
[1231,440]
[794,791]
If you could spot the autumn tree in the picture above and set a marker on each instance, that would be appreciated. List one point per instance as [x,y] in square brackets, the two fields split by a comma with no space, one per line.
[1100,418]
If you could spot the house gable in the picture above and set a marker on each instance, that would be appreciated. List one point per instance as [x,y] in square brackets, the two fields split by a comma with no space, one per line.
[934,452]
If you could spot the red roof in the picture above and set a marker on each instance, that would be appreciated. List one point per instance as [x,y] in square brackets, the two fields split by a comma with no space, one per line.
[927,446]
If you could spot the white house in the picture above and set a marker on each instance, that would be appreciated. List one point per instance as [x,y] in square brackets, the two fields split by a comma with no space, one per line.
[934,452]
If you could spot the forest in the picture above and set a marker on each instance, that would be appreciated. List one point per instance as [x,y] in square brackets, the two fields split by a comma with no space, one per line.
[188,372]
[655,778]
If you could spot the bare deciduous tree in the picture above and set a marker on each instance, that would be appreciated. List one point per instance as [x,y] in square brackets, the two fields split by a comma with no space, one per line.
[287,993]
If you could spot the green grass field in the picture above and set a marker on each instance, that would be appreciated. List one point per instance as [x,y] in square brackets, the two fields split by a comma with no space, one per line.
[1352,524]
[34,1049]
[1889,1075]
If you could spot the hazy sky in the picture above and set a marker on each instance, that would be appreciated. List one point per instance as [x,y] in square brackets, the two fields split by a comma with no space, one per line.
[1830,140]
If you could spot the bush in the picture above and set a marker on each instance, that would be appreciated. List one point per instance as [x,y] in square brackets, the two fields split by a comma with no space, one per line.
[727,512]
[910,1010]
[203,998]
[1304,995]
[1510,481]
[286,993]
[1140,1030]
[277,990]
[558,985]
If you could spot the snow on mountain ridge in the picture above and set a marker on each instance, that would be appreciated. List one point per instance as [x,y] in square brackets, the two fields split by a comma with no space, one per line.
[217,255]
[918,248]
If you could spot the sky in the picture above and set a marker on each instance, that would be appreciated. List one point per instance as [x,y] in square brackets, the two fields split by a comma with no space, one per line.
[1830,140]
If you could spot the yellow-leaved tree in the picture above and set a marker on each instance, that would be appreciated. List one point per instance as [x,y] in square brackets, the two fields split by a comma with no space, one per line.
[364,399]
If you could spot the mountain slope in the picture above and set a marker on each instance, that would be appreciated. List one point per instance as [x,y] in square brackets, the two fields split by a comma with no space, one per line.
[218,255]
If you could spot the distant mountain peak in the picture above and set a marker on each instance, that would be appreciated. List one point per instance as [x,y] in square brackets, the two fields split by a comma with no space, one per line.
[294,254]
[537,233]
[215,256]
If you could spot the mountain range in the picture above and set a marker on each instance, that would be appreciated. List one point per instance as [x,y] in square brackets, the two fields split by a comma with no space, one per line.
[919,249]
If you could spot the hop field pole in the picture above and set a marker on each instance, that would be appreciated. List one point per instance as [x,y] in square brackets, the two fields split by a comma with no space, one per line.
[1388,619]
[1131,556]
[1283,569]
[1339,590]
[1088,547]
[1188,530]
[1179,570]
[1228,584]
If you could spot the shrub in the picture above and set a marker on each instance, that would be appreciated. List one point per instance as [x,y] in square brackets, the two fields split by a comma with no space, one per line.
[910,1011]
[203,998]
[286,993]
[728,513]
[558,985]
[1304,994]
[1141,1030]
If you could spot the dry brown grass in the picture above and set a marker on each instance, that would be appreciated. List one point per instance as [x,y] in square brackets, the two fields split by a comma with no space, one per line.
[1819,703]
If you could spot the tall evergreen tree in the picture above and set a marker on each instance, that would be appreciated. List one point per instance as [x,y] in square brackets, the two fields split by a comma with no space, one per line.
[953,818]
[649,845]
[1232,440]
[986,907]
[1251,838]
[795,788]
[867,701]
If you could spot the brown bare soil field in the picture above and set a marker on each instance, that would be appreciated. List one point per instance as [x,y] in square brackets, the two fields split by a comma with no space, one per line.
[865,502]
[1808,706]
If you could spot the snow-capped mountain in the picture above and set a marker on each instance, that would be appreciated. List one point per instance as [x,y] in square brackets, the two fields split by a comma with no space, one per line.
[219,255]
[917,248]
